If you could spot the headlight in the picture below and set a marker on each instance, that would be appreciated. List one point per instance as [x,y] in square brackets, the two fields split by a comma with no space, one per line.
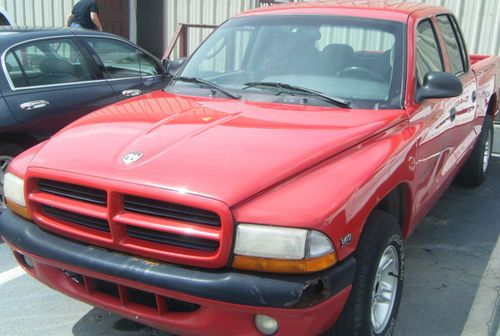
[282,250]
[13,188]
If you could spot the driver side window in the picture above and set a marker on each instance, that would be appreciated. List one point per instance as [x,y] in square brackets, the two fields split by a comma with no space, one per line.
[428,56]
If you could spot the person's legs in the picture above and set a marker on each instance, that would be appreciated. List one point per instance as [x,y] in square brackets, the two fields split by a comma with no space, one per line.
[76,25]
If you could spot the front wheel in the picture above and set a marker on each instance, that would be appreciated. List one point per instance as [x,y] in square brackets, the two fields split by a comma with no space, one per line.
[373,304]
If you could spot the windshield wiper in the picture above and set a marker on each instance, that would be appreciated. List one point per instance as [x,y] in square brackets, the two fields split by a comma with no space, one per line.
[207,83]
[334,100]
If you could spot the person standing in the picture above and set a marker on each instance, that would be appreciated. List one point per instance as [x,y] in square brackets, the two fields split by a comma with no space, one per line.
[85,14]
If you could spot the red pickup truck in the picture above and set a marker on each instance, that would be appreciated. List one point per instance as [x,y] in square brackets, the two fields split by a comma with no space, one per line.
[269,188]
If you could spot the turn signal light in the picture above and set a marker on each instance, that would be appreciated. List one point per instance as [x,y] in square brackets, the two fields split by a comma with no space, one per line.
[18,209]
[270,265]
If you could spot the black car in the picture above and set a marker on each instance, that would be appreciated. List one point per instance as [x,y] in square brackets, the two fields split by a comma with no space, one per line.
[51,77]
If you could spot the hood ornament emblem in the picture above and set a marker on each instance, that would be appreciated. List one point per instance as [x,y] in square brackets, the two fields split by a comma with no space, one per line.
[132,157]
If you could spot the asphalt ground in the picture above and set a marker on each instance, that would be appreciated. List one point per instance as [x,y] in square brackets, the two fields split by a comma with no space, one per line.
[445,260]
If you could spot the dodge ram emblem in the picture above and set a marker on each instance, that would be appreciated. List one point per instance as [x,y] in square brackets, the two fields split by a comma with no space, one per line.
[132,157]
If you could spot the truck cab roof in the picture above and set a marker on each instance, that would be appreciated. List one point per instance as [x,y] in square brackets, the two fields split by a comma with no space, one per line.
[388,10]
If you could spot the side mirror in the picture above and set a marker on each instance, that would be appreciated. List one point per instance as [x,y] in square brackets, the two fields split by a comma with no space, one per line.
[439,85]
[171,67]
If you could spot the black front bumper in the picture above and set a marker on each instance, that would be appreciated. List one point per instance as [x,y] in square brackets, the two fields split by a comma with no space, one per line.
[253,289]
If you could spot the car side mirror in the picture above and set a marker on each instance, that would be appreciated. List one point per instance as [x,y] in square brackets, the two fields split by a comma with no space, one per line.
[171,67]
[439,85]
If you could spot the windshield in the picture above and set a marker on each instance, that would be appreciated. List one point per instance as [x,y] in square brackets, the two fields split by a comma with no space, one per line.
[266,58]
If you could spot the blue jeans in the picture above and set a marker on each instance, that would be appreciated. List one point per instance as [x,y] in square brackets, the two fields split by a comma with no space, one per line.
[76,25]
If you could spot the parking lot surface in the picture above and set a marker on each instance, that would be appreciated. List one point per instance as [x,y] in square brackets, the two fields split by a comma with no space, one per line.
[445,260]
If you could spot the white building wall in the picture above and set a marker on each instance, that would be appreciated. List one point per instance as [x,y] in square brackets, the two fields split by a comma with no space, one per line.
[39,13]
[479,19]
[212,12]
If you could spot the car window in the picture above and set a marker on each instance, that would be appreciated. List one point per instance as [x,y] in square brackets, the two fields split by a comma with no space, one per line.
[455,54]
[428,54]
[229,47]
[122,60]
[46,62]
[365,39]
[344,57]
[4,21]
[463,46]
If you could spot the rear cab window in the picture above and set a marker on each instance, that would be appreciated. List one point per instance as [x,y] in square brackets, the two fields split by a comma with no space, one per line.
[454,44]
[46,62]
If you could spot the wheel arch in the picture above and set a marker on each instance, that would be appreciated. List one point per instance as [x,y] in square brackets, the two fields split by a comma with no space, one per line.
[493,106]
[397,204]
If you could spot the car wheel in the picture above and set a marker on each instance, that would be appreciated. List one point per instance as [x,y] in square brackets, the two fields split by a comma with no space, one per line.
[7,153]
[373,303]
[475,170]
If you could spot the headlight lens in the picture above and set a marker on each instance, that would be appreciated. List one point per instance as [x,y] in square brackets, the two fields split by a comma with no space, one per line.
[270,241]
[13,188]
[282,250]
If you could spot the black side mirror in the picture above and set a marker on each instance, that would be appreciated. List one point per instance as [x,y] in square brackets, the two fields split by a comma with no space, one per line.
[439,85]
[171,67]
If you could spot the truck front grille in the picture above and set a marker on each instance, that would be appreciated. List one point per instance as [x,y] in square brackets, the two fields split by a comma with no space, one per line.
[156,228]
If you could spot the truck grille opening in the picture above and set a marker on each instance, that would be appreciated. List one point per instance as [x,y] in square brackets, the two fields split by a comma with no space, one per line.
[107,288]
[140,297]
[168,210]
[74,218]
[76,192]
[172,239]
[178,306]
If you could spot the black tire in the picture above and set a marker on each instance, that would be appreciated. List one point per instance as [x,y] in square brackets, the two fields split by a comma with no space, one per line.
[7,152]
[475,170]
[381,233]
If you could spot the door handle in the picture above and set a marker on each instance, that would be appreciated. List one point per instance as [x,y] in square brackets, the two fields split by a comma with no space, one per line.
[131,93]
[473,96]
[35,104]
[453,114]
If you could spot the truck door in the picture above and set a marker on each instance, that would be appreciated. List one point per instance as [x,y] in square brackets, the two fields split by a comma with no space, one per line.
[464,106]
[434,118]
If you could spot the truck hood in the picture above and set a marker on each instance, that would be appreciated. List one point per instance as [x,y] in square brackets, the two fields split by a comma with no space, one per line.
[224,149]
